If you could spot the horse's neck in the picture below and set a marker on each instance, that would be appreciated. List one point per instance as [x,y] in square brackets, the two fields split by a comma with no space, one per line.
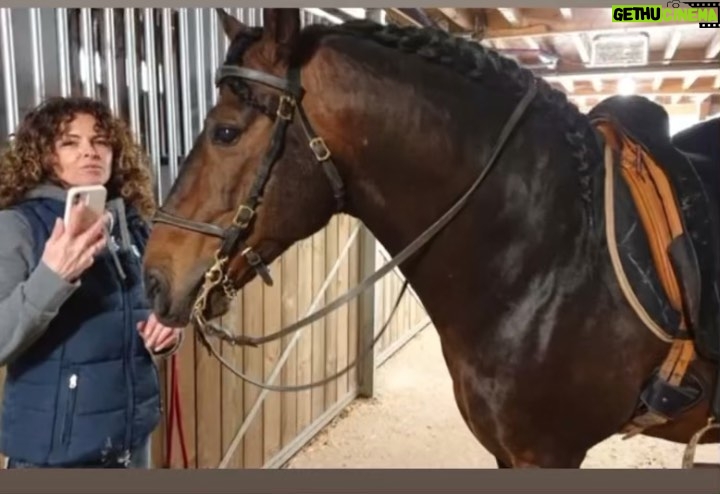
[523,227]
[408,157]
[410,151]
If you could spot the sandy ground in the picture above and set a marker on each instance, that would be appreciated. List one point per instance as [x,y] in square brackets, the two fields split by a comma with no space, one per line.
[413,422]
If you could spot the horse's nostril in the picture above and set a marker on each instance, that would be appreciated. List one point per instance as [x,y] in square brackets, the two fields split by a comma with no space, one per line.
[155,287]
[152,284]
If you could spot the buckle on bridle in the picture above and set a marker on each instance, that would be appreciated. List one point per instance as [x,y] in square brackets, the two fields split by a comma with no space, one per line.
[243,216]
[319,148]
[253,258]
[286,107]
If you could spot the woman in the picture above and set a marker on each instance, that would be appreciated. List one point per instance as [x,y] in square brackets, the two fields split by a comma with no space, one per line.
[76,333]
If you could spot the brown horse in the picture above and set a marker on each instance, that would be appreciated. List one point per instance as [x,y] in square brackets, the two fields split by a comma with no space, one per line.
[546,355]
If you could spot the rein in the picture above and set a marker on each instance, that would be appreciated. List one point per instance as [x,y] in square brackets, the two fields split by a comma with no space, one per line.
[233,237]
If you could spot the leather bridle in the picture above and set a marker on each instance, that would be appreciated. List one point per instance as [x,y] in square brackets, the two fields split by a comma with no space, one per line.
[234,236]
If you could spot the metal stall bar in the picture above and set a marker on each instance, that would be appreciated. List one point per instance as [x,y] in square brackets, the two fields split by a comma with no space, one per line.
[226,40]
[88,47]
[152,92]
[320,296]
[170,96]
[37,56]
[63,44]
[200,67]
[109,42]
[131,69]
[214,47]
[8,70]
[187,127]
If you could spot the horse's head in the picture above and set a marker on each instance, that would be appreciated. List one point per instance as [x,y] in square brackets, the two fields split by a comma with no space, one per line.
[256,180]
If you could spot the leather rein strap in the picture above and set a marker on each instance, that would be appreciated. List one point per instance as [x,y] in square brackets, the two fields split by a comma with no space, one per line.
[233,236]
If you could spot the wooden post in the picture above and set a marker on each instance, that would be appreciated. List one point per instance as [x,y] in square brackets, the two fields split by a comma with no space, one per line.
[366,315]
[366,300]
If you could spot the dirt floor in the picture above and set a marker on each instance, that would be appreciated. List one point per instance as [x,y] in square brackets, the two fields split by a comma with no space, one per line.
[413,422]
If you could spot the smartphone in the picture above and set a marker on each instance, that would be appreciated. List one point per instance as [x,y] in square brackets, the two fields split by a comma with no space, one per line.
[94,198]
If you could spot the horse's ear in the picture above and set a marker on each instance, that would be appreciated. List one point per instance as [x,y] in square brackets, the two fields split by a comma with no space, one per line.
[281,27]
[231,25]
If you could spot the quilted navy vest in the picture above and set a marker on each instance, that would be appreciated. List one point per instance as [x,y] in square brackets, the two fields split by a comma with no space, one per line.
[88,386]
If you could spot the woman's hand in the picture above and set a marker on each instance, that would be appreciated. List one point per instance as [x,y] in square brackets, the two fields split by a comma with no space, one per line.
[156,336]
[69,252]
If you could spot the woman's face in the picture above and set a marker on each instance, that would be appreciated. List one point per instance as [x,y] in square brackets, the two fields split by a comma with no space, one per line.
[82,156]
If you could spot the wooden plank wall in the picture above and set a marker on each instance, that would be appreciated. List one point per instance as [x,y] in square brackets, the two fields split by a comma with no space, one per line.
[215,403]
[409,318]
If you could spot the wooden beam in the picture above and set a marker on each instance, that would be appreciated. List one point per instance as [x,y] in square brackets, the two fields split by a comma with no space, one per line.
[709,107]
[648,71]
[713,47]
[657,83]
[566,13]
[582,47]
[339,13]
[459,17]
[672,88]
[598,24]
[672,46]
[673,109]
[704,109]
[511,15]
[689,81]
[532,43]
[681,56]
[399,13]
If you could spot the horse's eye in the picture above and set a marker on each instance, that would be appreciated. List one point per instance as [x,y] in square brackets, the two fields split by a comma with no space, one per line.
[225,134]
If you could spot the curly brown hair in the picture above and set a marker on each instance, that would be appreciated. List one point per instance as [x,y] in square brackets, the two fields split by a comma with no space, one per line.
[26,160]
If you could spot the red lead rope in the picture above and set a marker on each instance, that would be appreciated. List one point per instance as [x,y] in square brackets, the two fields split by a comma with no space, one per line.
[173,413]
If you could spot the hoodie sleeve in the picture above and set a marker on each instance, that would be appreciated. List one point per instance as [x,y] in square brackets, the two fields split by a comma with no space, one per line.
[29,297]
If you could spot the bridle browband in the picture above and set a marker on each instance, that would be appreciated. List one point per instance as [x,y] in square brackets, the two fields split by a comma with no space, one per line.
[234,236]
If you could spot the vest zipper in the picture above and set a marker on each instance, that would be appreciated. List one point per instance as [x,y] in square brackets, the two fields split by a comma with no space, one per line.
[69,408]
[128,357]
[128,347]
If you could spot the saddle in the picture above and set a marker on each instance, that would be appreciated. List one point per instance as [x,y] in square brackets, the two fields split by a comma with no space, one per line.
[663,227]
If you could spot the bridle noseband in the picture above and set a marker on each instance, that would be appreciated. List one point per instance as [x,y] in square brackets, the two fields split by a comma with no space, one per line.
[234,236]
